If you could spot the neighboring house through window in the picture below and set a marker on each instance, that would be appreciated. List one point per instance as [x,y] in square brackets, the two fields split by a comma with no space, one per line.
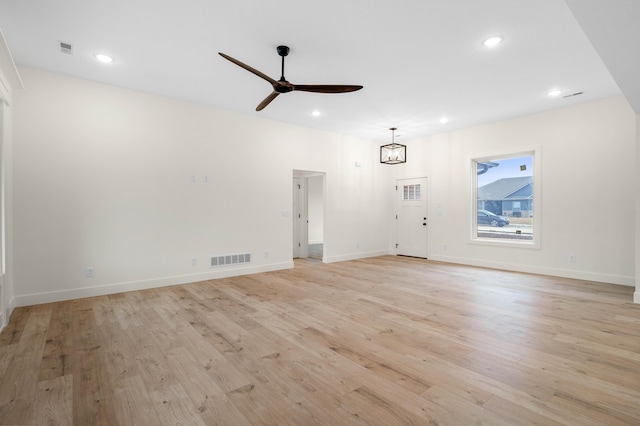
[504,195]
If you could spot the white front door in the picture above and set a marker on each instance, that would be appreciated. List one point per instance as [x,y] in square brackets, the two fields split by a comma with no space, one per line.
[411,217]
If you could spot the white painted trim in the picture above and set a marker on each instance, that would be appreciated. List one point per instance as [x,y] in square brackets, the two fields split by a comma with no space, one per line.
[62,295]
[554,272]
[9,81]
[9,76]
[636,295]
[355,256]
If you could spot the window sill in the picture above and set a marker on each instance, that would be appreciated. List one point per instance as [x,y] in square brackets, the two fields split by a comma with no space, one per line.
[504,242]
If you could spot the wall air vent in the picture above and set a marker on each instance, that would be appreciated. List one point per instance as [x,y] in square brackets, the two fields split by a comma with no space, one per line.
[573,94]
[66,48]
[230,259]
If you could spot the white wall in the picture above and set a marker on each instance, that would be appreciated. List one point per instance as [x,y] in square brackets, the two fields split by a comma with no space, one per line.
[588,184]
[103,181]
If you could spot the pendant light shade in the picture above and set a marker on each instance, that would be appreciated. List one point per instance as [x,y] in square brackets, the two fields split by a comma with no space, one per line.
[393,153]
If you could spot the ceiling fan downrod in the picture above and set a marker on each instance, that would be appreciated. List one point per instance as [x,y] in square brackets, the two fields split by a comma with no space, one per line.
[283,51]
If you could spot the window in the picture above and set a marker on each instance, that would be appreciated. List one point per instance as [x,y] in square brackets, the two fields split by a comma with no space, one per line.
[504,194]
[411,192]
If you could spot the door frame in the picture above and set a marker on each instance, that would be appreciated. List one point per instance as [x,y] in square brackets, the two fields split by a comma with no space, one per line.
[300,246]
[300,215]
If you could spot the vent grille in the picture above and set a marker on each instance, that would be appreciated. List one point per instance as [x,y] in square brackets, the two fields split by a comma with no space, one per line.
[573,94]
[66,48]
[230,259]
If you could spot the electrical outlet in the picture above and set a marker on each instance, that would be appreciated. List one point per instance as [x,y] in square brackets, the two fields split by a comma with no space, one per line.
[266,254]
[444,247]
[194,262]
[572,258]
[88,273]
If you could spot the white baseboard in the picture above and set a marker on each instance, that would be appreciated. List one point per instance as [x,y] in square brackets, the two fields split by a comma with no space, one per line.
[57,296]
[79,293]
[555,272]
[316,242]
[355,256]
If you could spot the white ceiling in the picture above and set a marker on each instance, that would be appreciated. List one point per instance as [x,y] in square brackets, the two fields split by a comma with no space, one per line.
[419,60]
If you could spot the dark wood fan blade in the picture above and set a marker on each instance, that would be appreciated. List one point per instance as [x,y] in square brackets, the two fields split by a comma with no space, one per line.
[248,68]
[267,100]
[327,88]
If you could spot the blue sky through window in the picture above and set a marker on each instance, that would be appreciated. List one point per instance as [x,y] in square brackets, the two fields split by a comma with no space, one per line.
[509,167]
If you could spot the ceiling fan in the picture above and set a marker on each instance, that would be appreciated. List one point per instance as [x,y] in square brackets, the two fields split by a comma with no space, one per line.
[283,86]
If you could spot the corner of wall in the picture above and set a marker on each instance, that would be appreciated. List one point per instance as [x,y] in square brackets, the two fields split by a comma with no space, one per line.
[4,319]
[9,311]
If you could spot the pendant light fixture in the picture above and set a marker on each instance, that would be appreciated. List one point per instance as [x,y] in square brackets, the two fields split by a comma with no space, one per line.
[393,153]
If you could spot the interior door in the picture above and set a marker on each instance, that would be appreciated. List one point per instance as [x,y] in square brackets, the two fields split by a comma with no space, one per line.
[295,208]
[300,239]
[411,217]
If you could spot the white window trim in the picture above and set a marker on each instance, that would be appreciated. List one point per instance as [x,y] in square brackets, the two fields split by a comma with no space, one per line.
[536,153]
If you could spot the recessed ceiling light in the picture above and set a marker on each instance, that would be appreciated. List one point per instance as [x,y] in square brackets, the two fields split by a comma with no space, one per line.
[554,93]
[105,59]
[444,120]
[316,113]
[492,41]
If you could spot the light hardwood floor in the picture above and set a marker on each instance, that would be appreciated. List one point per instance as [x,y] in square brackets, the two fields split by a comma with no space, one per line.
[387,341]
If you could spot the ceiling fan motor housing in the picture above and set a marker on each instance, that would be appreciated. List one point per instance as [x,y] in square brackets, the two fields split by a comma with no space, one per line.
[283,50]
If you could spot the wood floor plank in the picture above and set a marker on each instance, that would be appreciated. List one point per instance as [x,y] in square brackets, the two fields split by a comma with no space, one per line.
[514,414]
[133,403]
[291,383]
[19,384]
[174,406]
[376,341]
[7,354]
[56,360]
[53,402]
[13,331]
[212,403]
[92,402]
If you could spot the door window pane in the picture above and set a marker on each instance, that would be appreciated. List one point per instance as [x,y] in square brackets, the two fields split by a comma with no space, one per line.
[411,192]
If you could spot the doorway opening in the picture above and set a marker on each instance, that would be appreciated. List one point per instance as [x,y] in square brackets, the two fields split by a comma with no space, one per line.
[308,214]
